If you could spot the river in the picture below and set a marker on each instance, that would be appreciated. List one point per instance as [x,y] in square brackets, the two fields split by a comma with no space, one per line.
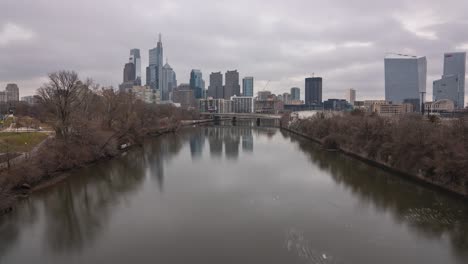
[235,194]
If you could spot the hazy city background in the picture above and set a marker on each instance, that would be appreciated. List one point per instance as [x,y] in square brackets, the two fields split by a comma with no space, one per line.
[342,42]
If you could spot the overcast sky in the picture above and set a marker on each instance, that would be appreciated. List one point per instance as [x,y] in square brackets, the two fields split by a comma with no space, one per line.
[342,41]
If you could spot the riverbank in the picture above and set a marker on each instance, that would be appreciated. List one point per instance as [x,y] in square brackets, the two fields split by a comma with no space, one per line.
[331,142]
[9,197]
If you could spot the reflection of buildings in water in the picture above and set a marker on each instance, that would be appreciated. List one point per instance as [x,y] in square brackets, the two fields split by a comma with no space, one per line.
[269,132]
[232,142]
[247,140]
[215,139]
[197,142]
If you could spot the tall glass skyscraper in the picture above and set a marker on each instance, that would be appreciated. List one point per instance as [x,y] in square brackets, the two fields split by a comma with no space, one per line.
[197,83]
[313,90]
[232,86]
[295,94]
[248,86]
[405,79]
[155,68]
[452,84]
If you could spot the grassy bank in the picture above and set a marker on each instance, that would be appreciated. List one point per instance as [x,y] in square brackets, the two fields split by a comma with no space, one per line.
[20,142]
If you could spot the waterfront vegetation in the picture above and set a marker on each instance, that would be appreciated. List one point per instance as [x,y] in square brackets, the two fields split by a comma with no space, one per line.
[89,123]
[430,149]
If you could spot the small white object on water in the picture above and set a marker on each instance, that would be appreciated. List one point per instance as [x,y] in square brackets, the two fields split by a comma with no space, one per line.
[324,256]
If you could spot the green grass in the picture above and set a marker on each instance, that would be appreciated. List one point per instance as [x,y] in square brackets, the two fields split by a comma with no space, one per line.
[20,142]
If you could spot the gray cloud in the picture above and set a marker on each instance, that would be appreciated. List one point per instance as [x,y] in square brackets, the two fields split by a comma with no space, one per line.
[282,41]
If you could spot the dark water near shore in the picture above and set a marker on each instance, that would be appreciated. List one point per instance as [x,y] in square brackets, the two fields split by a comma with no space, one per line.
[235,195]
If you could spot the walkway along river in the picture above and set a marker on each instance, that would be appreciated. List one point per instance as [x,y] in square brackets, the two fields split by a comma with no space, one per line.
[235,194]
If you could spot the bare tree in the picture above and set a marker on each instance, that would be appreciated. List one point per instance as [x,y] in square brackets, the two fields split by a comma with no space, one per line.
[64,95]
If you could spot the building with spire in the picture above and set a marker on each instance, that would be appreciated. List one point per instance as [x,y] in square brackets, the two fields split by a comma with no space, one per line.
[155,67]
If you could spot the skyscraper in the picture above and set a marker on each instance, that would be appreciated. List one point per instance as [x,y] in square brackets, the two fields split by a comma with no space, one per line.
[295,94]
[169,82]
[405,78]
[197,83]
[129,72]
[232,86]
[248,86]
[154,70]
[452,84]
[136,60]
[313,90]
[216,89]
[351,96]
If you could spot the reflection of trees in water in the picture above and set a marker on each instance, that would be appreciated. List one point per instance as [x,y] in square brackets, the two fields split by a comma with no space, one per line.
[427,212]
[77,211]
[11,223]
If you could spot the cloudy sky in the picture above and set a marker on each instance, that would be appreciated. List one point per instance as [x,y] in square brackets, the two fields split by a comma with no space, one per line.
[342,41]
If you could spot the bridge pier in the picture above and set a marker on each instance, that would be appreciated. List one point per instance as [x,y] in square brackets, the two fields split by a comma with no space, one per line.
[234,120]
[258,121]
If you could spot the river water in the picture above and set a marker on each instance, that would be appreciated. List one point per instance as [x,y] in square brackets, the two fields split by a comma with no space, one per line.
[235,194]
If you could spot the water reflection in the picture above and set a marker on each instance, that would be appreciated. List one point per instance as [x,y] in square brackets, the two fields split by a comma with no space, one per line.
[70,217]
[428,213]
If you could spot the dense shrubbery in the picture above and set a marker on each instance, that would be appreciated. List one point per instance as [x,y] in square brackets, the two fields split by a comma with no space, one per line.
[434,149]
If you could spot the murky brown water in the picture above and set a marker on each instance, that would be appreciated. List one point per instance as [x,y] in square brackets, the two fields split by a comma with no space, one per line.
[235,195]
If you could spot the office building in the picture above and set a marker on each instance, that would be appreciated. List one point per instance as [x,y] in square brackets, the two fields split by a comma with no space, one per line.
[135,58]
[248,86]
[452,84]
[441,106]
[242,104]
[351,96]
[213,105]
[12,92]
[216,89]
[30,99]
[197,83]
[129,72]
[169,82]
[146,94]
[231,86]
[295,94]
[313,91]
[184,95]
[336,105]
[405,78]
[155,67]
[393,109]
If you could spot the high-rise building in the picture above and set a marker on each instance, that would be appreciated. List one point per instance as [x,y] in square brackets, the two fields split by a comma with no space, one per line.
[313,90]
[129,72]
[452,84]
[232,86]
[12,92]
[169,82]
[351,96]
[295,94]
[405,78]
[135,58]
[197,83]
[248,86]
[155,68]
[263,95]
[216,89]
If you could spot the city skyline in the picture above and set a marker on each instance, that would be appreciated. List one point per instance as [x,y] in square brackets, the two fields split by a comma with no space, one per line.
[282,49]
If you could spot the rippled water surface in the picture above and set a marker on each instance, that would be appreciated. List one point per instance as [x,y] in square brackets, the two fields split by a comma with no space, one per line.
[238,194]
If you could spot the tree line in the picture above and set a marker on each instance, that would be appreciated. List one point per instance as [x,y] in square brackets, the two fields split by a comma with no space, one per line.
[432,149]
